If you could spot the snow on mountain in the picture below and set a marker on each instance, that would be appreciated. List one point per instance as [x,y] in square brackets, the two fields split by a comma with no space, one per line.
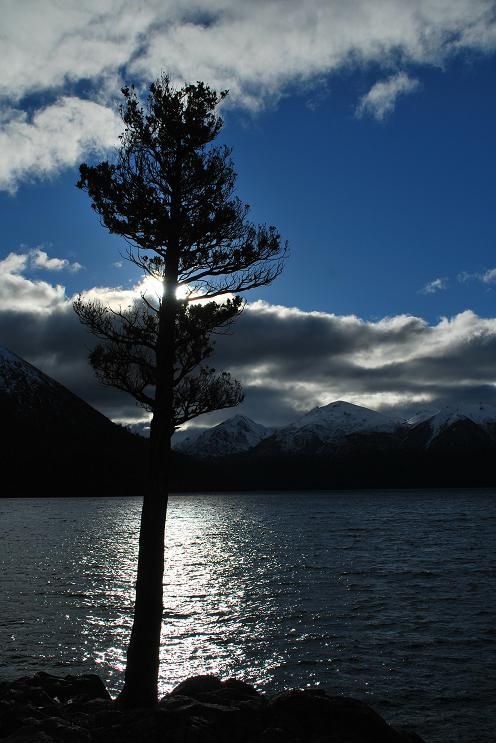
[236,434]
[56,444]
[26,392]
[440,421]
[422,416]
[18,376]
[331,425]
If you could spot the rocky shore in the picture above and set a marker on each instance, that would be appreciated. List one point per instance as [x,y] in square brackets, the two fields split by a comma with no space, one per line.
[203,709]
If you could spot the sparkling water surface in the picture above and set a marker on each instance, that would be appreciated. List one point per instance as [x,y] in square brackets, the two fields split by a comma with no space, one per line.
[385,596]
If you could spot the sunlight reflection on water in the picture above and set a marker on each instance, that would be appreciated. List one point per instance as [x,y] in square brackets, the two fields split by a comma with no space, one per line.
[385,597]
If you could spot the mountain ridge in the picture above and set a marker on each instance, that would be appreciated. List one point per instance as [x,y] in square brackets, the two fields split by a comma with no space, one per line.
[31,392]
[56,444]
[234,435]
[341,424]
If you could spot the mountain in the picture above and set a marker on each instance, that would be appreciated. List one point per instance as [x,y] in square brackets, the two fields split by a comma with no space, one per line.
[339,424]
[54,443]
[342,445]
[236,434]
[27,394]
[342,427]
[466,426]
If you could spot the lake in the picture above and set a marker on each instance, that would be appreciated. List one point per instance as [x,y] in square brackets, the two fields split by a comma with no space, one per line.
[385,596]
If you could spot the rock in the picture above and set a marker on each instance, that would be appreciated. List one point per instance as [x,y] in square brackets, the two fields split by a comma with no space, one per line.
[212,690]
[232,692]
[50,729]
[29,734]
[58,689]
[313,715]
[274,735]
[82,688]
[202,709]
[197,685]
[240,689]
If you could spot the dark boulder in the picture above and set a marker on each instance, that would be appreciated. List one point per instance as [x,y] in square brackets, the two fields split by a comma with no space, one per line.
[82,688]
[316,716]
[197,685]
[203,709]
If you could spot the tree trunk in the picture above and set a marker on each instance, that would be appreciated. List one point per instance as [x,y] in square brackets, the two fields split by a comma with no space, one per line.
[143,654]
[142,668]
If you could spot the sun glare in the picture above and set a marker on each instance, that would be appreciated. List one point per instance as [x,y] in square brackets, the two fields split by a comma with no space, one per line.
[152,289]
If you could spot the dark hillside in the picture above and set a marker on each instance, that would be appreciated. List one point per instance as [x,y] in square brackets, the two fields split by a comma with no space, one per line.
[53,443]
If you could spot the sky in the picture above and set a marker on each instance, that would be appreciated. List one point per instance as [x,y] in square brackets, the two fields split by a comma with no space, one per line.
[363,131]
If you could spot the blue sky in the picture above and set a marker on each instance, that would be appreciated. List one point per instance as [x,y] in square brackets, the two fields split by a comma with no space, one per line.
[364,132]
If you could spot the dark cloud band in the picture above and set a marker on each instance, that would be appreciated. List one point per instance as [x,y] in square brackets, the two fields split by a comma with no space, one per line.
[290,361]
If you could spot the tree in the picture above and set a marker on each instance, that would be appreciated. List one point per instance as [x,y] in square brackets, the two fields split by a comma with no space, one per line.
[170,193]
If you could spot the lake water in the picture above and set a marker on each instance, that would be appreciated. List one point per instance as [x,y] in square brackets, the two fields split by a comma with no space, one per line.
[385,596]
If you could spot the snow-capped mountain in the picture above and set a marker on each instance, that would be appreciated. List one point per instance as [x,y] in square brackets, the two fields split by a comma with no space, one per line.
[332,426]
[235,435]
[343,428]
[17,375]
[342,445]
[465,425]
[421,416]
[28,393]
[54,443]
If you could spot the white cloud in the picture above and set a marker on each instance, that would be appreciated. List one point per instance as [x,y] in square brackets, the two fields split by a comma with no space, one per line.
[381,99]
[53,138]
[21,293]
[489,277]
[486,277]
[436,285]
[256,49]
[50,44]
[290,360]
[13,263]
[40,259]
[114,297]
[287,359]
[18,293]
[36,258]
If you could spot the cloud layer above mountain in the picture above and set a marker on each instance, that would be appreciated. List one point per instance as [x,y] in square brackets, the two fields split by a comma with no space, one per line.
[288,360]
[67,60]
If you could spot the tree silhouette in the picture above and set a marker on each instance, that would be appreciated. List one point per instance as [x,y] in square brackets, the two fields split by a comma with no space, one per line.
[170,193]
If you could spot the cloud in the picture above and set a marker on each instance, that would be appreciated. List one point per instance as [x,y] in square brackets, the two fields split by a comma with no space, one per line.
[40,259]
[436,285]
[48,46]
[18,292]
[305,359]
[259,50]
[13,263]
[381,99]
[52,337]
[486,277]
[55,137]
[489,277]
[288,360]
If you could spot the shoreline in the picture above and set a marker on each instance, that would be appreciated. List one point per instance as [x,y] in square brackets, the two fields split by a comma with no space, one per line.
[201,709]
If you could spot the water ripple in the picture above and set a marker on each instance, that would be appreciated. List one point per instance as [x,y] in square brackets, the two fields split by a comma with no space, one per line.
[388,597]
